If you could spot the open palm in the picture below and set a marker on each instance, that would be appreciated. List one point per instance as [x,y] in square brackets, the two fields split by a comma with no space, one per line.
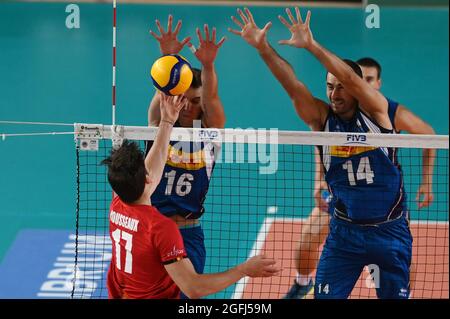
[207,50]
[250,32]
[168,41]
[301,35]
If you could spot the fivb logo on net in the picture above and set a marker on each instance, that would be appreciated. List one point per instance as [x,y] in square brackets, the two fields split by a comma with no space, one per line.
[237,145]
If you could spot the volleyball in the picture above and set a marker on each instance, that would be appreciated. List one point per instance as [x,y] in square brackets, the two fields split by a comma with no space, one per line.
[172,74]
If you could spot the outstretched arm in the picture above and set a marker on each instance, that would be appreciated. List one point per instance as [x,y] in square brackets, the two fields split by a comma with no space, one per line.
[168,44]
[157,157]
[370,100]
[198,285]
[405,120]
[213,113]
[311,110]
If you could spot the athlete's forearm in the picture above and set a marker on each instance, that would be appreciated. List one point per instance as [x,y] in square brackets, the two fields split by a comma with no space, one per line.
[207,284]
[212,108]
[332,63]
[157,156]
[318,178]
[428,156]
[280,68]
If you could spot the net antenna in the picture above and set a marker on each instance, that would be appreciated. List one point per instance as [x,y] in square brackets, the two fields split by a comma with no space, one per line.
[116,136]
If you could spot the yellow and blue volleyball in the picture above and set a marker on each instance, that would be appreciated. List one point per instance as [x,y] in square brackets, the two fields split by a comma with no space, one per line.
[172,74]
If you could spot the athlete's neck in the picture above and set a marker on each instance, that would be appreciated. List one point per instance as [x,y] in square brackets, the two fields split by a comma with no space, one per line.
[347,116]
[143,200]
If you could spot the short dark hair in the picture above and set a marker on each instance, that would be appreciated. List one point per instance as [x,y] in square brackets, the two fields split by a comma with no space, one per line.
[370,63]
[355,67]
[126,171]
[197,79]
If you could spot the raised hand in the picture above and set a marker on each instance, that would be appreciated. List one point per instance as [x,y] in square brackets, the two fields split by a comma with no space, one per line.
[250,32]
[207,50]
[301,35]
[171,106]
[168,41]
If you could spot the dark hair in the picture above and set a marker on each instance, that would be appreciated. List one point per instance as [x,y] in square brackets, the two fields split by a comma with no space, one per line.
[370,63]
[197,79]
[126,171]
[355,67]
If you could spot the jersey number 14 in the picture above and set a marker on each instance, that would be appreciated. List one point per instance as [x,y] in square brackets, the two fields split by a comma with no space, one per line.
[364,171]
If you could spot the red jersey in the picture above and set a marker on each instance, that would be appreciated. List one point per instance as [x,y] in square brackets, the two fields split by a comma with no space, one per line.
[143,242]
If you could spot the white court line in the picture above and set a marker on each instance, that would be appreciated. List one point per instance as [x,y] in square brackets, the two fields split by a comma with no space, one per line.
[257,247]
[264,231]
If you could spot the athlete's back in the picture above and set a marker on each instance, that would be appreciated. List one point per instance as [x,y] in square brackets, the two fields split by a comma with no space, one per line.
[143,241]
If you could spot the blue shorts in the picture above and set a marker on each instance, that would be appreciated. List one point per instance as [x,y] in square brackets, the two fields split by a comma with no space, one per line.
[387,248]
[194,243]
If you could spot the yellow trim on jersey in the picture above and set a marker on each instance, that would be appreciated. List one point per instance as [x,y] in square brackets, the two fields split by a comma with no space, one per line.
[190,161]
[348,151]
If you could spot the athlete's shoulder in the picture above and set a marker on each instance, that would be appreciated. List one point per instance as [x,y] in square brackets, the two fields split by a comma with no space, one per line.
[392,104]
[159,221]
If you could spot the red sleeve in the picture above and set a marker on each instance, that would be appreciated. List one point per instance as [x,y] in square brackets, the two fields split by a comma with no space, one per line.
[169,243]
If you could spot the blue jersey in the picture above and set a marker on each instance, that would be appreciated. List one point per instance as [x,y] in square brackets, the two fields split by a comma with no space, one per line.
[392,109]
[366,182]
[185,180]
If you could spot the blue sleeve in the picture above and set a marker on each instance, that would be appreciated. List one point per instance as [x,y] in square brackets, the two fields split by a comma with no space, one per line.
[392,109]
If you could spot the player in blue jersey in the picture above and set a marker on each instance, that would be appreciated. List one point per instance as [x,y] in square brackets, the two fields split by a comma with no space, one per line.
[315,228]
[369,222]
[185,181]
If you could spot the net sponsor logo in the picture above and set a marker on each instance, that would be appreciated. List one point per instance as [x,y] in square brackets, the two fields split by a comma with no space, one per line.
[356,138]
[209,135]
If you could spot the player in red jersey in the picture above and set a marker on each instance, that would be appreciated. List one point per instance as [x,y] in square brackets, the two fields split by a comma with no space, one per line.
[149,258]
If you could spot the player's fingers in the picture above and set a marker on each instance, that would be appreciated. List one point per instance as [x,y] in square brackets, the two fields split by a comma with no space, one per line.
[155,35]
[234,31]
[160,28]
[169,24]
[236,21]
[249,15]
[181,103]
[206,29]
[284,42]
[242,15]
[219,44]
[267,27]
[419,193]
[268,262]
[426,201]
[191,47]
[199,35]
[299,16]
[177,27]
[213,35]
[185,40]
[291,17]
[283,20]
[308,18]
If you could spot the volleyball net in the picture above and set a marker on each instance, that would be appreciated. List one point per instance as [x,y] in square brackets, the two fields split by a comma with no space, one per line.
[260,200]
